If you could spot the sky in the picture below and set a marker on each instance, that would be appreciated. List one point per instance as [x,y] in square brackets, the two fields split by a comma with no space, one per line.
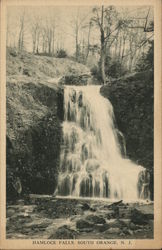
[64,24]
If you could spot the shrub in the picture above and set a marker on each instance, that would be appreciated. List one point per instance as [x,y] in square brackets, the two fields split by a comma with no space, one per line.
[114,67]
[61,53]
[146,62]
[95,71]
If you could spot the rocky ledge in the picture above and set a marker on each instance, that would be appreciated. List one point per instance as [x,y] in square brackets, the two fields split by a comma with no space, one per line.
[59,218]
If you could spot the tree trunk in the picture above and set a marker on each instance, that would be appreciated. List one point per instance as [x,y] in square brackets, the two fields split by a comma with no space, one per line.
[76,45]
[88,45]
[102,66]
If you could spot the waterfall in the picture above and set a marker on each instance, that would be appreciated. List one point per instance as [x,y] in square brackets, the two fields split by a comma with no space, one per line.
[91,159]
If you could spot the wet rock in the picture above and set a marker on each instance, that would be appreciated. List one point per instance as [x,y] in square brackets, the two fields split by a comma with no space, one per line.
[125,230]
[23,220]
[95,219]
[138,231]
[117,223]
[92,165]
[147,210]
[114,230]
[64,232]
[10,212]
[102,227]
[132,226]
[39,224]
[151,223]
[80,224]
[80,99]
[130,232]
[110,214]
[126,222]
[115,204]
[26,231]
[85,206]
[86,230]
[138,217]
[73,96]
[122,234]
[124,212]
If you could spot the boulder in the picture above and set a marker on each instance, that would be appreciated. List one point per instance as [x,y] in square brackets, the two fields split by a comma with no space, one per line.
[86,230]
[138,217]
[110,214]
[117,223]
[95,219]
[64,232]
[130,232]
[85,206]
[114,230]
[80,224]
[101,227]
[132,226]
[10,212]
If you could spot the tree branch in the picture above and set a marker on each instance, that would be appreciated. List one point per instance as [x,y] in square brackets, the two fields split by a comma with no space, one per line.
[138,47]
[112,31]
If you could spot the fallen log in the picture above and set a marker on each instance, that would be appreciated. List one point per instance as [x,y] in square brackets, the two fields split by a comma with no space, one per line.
[114,204]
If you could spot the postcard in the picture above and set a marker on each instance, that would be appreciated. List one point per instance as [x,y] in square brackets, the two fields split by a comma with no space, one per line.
[81,124]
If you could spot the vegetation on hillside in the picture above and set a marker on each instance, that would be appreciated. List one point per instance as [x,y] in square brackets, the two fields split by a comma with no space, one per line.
[109,39]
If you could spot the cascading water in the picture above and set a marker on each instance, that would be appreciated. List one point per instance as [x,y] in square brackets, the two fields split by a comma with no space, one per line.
[91,163]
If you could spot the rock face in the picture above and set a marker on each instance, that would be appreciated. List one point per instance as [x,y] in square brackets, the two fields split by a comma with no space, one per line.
[33,138]
[75,79]
[133,102]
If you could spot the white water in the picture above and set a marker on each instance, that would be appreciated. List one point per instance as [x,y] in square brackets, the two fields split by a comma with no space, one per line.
[91,163]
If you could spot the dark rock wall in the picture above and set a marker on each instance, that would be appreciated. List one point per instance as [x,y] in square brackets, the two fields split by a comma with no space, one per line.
[133,103]
[34,113]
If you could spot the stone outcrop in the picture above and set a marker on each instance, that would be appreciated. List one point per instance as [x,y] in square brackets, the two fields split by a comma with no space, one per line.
[132,99]
[33,137]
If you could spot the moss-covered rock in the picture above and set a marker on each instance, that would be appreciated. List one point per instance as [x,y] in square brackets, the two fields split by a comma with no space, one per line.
[34,113]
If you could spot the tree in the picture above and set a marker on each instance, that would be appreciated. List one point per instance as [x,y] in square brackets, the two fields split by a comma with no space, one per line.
[21,32]
[103,18]
[146,61]
[35,32]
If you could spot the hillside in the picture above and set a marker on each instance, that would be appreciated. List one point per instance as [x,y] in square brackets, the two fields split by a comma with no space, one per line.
[21,66]
[34,114]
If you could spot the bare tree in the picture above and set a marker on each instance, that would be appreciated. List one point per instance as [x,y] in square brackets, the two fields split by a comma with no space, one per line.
[35,31]
[106,30]
[79,22]
[88,40]
[21,31]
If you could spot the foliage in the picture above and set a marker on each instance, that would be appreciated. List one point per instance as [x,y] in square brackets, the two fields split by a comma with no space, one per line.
[113,68]
[96,73]
[61,53]
[146,62]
